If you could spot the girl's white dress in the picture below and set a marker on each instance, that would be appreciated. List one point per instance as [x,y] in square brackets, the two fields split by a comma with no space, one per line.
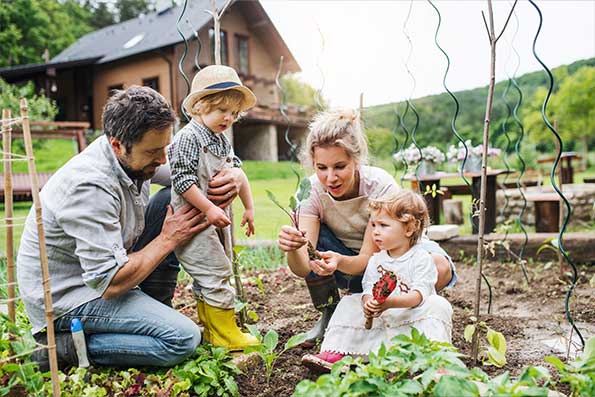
[346,332]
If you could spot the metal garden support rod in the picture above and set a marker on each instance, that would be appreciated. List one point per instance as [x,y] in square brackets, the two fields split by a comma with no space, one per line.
[47,294]
[560,146]
[493,39]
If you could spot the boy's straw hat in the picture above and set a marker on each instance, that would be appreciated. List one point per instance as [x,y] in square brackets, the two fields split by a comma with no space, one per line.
[217,78]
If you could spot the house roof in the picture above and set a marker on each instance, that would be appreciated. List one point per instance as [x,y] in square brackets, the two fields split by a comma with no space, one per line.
[152,31]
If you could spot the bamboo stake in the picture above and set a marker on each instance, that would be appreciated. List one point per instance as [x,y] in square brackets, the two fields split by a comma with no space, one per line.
[8,207]
[484,156]
[47,295]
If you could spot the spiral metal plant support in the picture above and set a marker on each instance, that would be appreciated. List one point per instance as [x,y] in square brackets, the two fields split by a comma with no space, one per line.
[318,95]
[409,103]
[283,111]
[513,83]
[198,46]
[394,133]
[517,147]
[405,141]
[183,56]
[454,131]
[553,177]
[506,150]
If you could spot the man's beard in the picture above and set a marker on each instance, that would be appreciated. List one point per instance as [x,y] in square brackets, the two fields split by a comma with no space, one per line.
[138,175]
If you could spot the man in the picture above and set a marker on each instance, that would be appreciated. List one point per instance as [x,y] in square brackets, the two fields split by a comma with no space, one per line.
[99,248]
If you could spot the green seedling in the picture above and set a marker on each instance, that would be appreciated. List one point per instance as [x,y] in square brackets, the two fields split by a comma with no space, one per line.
[266,348]
[495,351]
[293,212]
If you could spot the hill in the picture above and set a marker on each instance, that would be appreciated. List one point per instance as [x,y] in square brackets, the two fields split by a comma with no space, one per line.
[436,111]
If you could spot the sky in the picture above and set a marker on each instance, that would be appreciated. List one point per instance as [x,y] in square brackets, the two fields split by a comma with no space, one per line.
[349,47]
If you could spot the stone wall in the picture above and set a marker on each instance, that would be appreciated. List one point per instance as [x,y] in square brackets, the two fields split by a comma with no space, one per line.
[580,196]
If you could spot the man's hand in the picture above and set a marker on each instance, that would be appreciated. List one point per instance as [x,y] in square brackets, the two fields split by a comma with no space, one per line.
[180,226]
[225,186]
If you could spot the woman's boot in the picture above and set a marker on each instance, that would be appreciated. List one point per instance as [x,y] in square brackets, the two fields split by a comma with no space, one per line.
[325,297]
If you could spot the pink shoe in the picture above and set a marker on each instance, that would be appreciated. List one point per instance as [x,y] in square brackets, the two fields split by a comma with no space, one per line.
[321,362]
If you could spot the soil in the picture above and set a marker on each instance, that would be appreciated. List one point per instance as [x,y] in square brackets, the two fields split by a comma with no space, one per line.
[527,315]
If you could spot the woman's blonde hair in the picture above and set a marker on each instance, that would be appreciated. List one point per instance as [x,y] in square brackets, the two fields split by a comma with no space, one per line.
[228,99]
[340,127]
[406,207]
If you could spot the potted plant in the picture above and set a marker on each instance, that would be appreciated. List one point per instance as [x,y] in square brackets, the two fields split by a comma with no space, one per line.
[473,163]
[430,157]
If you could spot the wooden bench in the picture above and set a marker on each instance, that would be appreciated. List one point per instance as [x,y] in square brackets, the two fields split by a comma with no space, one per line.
[547,212]
[70,130]
[453,190]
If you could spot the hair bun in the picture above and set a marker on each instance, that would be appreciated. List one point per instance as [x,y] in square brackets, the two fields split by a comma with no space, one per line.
[350,115]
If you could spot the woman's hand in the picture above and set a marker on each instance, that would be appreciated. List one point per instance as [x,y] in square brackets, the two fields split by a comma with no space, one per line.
[291,239]
[331,259]
[225,186]
[320,267]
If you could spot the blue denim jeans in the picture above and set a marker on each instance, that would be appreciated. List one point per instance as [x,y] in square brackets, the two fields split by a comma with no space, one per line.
[134,330]
[327,241]
[139,328]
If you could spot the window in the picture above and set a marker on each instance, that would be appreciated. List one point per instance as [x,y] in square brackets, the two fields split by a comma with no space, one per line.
[112,88]
[152,82]
[242,54]
[223,40]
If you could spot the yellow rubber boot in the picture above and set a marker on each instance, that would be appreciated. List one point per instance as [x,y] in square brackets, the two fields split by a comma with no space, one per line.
[202,316]
[223,330]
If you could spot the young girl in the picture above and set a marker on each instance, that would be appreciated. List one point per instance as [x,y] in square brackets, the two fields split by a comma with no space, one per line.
[198,152]
[398,221]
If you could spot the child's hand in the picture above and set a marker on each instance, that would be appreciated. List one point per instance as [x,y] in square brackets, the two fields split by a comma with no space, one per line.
[366,299]
[217,217]
[248,219]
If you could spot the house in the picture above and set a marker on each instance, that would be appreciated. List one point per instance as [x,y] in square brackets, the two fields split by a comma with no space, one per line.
[146,51]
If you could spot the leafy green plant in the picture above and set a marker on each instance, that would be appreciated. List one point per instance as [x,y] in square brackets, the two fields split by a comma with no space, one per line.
[293,212]
[266,348]
[416,366]
[579,374]
[495,351]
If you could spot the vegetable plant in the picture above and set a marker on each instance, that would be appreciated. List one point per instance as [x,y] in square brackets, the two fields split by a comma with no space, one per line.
[266,348]
[495,351]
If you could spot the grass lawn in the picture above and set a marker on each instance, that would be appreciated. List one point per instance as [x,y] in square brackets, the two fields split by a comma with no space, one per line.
[277,177]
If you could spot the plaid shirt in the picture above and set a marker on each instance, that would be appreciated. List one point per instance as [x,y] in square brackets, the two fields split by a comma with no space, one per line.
[184,153]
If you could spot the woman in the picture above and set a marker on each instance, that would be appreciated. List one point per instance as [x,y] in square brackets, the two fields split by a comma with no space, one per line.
[335,217]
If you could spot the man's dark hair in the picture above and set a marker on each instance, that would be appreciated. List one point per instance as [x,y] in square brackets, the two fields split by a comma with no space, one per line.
[129,114]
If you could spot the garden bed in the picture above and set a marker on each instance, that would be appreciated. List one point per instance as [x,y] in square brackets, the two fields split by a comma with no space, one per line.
[526,316]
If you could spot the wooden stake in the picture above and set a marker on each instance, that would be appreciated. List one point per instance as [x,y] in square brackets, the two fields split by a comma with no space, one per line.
[8,207]
[493,39]
[47,294]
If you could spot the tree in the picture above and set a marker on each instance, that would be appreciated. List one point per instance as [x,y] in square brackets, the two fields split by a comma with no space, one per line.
[29,27]
[300,93]
[573,106]
[128,9]
[40,107]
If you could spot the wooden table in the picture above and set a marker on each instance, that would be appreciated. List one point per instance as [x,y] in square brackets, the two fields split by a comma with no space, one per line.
[567,170]
[420,183]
